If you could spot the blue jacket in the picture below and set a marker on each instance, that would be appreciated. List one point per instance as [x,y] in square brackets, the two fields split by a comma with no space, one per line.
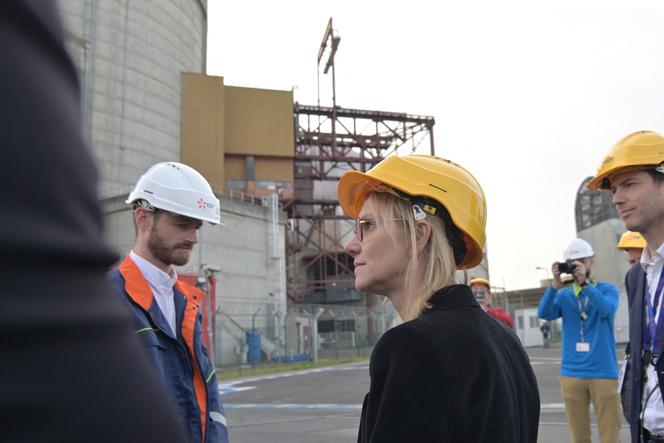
[602,303]
[635,283]
[182,362]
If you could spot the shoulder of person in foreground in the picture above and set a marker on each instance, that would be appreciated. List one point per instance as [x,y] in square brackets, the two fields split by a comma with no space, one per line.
[56,304]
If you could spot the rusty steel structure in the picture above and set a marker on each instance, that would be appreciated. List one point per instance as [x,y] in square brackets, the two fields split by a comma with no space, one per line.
[329,141]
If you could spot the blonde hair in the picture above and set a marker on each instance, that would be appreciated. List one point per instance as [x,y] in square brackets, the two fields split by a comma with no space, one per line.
[437,255]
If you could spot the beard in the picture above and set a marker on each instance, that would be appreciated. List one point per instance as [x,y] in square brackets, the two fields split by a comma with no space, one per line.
[177,254]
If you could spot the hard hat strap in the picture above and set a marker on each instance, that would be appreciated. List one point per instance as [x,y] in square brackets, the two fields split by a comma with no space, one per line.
[455,236]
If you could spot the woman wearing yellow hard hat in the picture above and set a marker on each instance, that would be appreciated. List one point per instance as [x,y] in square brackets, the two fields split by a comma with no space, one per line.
[450,372]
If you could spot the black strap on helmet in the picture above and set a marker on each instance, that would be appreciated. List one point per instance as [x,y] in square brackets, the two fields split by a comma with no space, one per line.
[433,207]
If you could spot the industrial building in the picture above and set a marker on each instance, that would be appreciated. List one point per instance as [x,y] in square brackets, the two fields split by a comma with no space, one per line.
[277,264]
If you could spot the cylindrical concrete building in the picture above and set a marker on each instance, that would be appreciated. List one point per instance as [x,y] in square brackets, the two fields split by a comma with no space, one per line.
[131,55]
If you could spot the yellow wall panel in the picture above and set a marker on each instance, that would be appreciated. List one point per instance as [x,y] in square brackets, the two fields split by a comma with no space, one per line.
[235,168]
[259,122]
[203,126]
[274,169]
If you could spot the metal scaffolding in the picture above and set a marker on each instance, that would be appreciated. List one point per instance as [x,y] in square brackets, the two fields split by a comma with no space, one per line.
[329,141]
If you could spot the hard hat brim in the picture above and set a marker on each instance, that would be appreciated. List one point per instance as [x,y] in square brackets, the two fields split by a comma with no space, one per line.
[479,281]
[353,190]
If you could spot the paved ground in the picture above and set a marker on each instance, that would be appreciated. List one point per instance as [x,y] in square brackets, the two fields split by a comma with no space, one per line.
[320,406]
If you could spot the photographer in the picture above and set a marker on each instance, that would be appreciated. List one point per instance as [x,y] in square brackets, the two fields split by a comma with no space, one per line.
[589,369]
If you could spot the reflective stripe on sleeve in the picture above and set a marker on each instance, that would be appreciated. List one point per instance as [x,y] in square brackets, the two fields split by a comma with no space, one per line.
[207,380]
[218,417]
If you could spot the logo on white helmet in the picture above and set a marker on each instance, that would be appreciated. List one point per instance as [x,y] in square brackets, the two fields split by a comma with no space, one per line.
[202,204]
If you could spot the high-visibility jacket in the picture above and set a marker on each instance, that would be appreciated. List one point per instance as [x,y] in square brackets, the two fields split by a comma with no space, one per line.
[182,362]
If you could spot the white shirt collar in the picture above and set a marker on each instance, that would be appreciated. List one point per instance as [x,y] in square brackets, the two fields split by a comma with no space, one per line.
[155,276]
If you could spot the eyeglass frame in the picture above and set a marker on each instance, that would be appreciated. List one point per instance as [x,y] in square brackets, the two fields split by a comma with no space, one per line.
[359,221]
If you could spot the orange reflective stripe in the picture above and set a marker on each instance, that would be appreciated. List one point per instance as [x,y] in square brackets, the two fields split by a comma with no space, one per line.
[135,284]
[194,296]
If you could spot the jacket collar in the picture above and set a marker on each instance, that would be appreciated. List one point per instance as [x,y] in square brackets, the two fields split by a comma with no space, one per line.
[158,279]
[135,284]
[138,289]
[451,297]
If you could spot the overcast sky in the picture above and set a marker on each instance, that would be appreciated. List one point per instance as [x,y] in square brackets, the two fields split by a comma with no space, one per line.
[528,96]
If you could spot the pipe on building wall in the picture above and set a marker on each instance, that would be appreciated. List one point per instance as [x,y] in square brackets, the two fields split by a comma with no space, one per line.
[313,330]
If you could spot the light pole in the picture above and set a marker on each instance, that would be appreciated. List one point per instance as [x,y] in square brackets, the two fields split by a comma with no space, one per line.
[205,280]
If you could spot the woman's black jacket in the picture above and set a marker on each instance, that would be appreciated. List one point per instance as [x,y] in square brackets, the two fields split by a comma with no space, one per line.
[454,374]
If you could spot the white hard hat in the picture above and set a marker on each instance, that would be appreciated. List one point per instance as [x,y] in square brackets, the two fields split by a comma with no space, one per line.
[177,188]
[577,249]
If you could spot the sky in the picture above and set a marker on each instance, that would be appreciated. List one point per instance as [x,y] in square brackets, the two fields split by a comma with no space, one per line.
[528,96]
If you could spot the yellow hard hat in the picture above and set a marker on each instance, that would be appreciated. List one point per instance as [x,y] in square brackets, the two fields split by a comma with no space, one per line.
[642,148]
[479,281]
[630,240]
[430,177]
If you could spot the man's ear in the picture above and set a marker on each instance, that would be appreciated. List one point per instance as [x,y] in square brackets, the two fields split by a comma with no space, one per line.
[143,219]
[422,234]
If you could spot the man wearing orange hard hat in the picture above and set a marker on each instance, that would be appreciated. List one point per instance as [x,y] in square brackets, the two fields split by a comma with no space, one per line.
[482,291]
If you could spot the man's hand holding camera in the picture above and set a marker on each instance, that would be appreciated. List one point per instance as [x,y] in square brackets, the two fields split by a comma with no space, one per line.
[576,268]
[580,273]
[555,271]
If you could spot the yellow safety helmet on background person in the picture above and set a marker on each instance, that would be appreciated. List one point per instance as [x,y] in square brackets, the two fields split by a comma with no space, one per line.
[631,239]
[425,176]
[479,281]
[642,148]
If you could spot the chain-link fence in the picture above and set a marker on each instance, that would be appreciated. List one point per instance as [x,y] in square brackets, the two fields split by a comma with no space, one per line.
[305,332]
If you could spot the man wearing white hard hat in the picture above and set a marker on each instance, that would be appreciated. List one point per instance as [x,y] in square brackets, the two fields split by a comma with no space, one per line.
[589,369]
[170,202]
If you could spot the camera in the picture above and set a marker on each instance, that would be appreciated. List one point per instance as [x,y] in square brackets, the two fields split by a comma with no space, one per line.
[566,267]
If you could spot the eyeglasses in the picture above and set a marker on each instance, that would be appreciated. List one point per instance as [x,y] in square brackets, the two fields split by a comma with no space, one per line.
[364,225]
[479,294]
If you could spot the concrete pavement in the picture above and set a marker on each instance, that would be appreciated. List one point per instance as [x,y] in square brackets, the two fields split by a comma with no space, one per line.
[323,405]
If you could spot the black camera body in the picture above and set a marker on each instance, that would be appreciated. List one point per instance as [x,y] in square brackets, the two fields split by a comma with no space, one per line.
[566,267]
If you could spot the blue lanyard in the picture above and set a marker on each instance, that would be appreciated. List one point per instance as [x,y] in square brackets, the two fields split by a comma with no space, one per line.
[584,306]
[653,338]
[582,313]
